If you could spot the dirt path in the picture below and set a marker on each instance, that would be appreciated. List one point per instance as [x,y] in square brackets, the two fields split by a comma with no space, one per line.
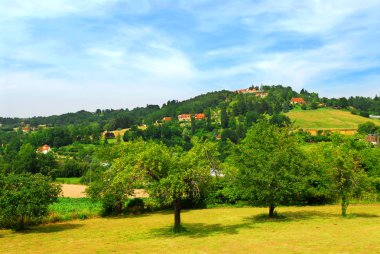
[78,191]
[73,191]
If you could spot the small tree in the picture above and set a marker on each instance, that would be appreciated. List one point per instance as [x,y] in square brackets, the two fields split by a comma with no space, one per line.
[173,175]
[116,183]
[24,198]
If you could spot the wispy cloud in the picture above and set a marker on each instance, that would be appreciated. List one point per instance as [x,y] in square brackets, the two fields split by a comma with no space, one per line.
[130,53]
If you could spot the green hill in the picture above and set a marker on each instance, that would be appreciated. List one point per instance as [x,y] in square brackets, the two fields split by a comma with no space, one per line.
[327,118]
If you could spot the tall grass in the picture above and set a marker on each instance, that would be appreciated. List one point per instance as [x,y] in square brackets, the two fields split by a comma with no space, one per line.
[73,208]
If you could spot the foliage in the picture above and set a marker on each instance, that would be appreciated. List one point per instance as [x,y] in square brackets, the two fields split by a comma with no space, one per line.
[25,198]
[73,208]
[173,175]
[368,128]
[269,166]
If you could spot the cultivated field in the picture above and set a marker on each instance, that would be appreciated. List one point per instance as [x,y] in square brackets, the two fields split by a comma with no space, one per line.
[220,230]
[327,118]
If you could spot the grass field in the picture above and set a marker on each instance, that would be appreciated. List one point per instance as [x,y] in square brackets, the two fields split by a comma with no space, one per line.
[73,208]
[68,180]
[327,118]
[317,229]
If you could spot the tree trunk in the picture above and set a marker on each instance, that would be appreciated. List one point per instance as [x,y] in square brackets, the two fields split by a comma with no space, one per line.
[22,223]
[344,204]
[271,211]
[177,215]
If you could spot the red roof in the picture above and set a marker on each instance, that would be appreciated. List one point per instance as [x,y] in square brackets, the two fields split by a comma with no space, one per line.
[167,118]
[43,148]
[199,116]
[297,100]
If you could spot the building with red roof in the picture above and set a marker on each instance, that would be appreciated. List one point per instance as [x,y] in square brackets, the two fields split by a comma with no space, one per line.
[297,101]
[43,149]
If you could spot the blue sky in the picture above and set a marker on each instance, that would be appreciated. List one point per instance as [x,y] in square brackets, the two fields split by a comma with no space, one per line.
[59,56]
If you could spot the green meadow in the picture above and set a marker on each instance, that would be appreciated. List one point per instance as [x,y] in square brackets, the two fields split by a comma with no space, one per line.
[319,229]
[327,118]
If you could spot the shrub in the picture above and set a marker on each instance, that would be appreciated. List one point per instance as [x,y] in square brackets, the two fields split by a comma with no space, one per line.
[135,205]
[25,198]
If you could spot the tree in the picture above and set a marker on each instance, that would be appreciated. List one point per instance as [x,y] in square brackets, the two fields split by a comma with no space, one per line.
[172,174]
[347,173]
[224,118]
[24,198]
[115,184]
[269,166]
[26,159]
[367,128]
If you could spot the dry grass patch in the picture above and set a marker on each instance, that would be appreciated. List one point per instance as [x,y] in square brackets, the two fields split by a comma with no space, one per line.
[219,230]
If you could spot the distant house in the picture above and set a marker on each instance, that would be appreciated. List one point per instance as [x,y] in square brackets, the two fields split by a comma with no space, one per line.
[167,118]
[187,117]
[199,116]
[374,117]
[247,90]
[295,101]
[373,138]
[184,117]
[43,149]
[25,129]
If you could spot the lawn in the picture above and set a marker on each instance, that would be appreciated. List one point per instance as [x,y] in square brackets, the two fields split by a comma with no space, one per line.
[317,229]
[327,118]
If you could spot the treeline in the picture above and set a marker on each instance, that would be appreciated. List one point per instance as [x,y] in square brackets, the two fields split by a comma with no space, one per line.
[268,167]
[278,100]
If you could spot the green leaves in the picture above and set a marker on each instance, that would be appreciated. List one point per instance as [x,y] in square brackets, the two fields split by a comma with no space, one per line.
[25,197]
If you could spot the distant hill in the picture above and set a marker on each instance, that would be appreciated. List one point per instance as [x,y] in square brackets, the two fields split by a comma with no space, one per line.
[327,118]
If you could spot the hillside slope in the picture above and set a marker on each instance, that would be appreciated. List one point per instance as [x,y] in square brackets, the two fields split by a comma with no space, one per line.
[327,118]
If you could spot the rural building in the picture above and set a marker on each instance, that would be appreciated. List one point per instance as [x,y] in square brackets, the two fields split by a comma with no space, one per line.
[187,117]
[43,149]
[25,129]
[252,91]
[199,116]
[184,117]
[167,118]
[247,90]
[295,101]
[374,117]
[373,138]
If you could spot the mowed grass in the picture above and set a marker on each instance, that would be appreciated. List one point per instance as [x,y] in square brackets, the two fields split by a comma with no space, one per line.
[327,118]
[318,229]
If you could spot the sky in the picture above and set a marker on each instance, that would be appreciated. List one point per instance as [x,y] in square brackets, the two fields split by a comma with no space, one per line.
[59,56]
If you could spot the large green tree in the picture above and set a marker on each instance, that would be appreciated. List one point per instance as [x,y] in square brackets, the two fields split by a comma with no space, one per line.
[269,166]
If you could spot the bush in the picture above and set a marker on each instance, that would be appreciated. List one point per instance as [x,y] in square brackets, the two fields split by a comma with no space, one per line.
[25,198]
[135,205]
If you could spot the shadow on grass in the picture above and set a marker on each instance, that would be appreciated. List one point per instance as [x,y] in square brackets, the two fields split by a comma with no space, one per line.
[290,216]
[51,228]
[198,230]
[143,214]
[304,215]
[362,215]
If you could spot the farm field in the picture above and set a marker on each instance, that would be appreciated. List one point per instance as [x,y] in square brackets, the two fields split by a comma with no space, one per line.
[317,229]
[327,118]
